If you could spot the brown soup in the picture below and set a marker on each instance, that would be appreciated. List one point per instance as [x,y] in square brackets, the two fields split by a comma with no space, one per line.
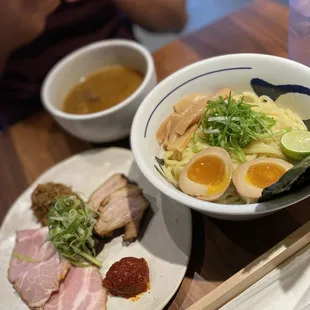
[102,90]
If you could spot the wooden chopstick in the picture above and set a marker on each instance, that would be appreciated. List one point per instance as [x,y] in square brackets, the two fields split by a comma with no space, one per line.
[254,271]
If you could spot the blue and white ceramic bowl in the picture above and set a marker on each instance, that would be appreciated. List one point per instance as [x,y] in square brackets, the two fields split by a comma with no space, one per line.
[283,80]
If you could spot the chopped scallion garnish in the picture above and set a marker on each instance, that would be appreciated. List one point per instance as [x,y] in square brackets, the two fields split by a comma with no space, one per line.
[71,224]
[233,124]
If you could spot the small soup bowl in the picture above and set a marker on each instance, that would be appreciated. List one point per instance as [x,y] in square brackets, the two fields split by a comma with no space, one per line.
[110,124]
[285,81]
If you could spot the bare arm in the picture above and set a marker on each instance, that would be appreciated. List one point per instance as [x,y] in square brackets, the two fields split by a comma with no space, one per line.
[155,15]
[21,22]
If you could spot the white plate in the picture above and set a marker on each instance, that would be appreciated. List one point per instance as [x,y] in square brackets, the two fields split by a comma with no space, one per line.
[166,242]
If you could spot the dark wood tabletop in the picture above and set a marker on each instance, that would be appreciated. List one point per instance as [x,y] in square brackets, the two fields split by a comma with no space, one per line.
[220,248]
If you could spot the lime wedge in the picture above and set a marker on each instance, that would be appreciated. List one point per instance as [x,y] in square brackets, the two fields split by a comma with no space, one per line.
[296,144]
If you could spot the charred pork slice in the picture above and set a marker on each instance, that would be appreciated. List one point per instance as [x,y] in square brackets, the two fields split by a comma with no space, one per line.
[123,208]
[115,182]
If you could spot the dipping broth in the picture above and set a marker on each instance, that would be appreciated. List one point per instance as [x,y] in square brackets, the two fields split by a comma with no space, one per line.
[102,90]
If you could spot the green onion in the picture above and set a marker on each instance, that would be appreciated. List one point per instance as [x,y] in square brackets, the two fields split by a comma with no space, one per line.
[71,224]
[25,258]
[232,125]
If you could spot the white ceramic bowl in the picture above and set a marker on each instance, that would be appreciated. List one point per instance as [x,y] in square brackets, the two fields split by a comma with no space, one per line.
[239,72]
[113,123]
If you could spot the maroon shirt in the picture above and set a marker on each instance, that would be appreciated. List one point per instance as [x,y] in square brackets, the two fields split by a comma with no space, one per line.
[71,26]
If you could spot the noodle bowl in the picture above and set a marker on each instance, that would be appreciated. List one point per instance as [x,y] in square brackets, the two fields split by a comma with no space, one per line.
[250,74]
[269,147]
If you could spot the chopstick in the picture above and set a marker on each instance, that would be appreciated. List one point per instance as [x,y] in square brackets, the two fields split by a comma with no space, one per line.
[254,271]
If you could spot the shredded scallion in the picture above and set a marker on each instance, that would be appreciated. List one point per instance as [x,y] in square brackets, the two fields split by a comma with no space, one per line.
[232,125]
[71,224]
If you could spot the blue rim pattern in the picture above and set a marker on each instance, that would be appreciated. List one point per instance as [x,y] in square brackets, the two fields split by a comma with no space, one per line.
[262,87]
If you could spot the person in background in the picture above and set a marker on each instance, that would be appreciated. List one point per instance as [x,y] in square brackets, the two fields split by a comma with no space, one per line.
[35,34]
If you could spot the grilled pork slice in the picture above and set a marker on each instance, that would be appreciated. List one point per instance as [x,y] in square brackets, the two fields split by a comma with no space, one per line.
[36,267]
[115,182]
[124,208]
[81,290]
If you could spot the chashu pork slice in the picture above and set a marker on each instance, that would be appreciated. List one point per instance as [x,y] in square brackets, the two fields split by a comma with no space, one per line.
[115,182]
[36,268]
[124,208]
[81,290]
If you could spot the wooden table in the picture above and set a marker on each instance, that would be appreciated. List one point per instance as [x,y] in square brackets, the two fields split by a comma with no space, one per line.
[220,248]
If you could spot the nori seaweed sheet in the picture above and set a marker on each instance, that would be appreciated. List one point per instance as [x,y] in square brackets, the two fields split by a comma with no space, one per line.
[294,179]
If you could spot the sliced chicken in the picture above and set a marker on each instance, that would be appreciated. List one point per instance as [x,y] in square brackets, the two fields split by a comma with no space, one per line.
[115,182]
[180,143]
[183,105]
[81,290]
[124,208]
[36,268]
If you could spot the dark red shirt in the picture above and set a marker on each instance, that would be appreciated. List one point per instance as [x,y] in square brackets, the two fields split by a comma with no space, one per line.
[71,26]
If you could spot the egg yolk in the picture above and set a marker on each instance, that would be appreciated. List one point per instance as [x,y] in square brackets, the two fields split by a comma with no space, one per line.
[264,174]
[208,170]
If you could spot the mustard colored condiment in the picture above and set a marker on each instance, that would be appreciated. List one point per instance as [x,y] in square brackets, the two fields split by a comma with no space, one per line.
[102,90]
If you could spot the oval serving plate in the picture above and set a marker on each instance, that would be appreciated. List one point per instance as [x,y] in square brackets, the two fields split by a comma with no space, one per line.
[166,237]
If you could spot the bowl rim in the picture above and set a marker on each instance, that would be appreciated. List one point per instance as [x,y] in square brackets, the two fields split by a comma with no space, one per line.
[195,203]
[150,69]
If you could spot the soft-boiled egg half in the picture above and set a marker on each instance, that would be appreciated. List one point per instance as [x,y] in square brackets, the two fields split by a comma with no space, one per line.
[207,175]
[253,176]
